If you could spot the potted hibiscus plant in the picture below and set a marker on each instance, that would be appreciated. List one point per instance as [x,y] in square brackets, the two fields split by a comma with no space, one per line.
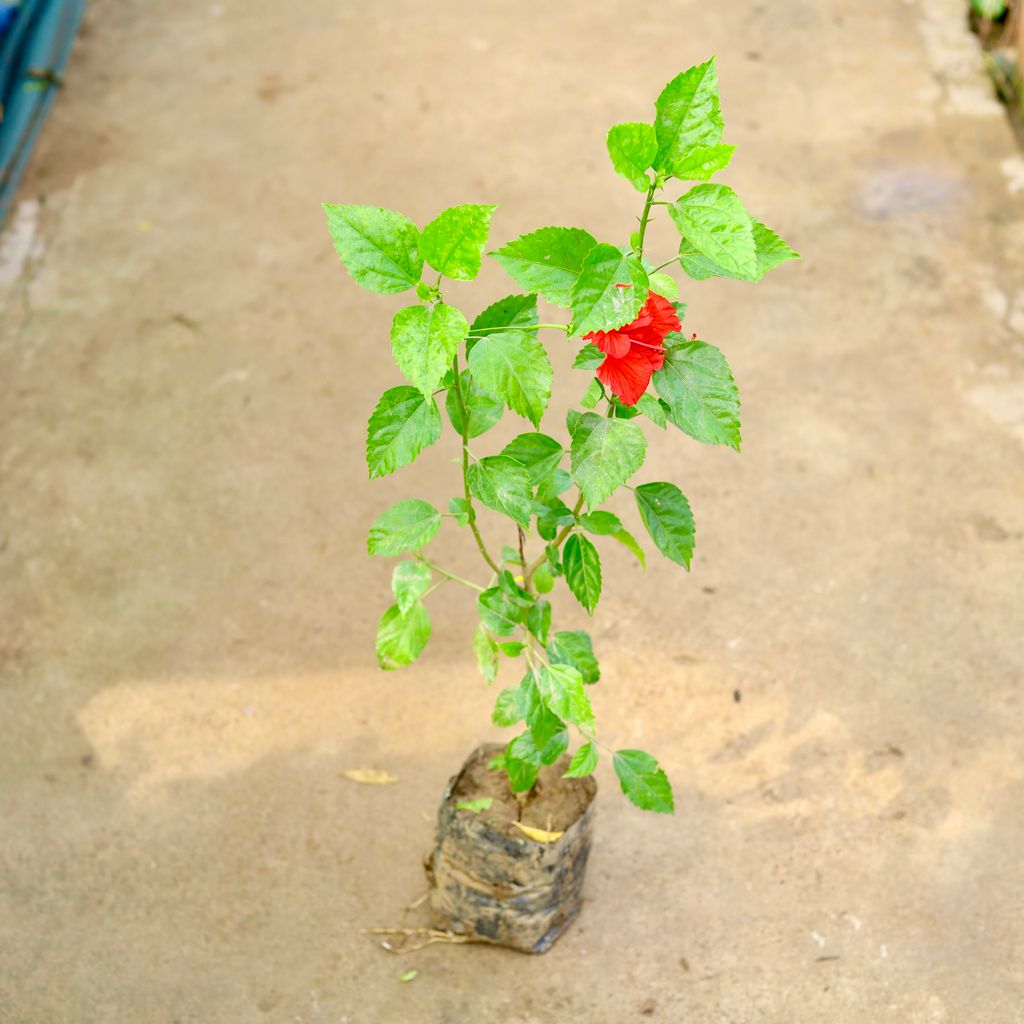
[514,826]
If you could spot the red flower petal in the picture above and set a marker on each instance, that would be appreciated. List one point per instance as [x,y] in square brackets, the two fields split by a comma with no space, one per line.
[611,343]
[627,377]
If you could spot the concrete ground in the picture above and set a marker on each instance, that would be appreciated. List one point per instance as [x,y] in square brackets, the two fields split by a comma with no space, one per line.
[188,613]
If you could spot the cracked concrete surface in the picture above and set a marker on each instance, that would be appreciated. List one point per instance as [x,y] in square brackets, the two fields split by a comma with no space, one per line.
[187,610]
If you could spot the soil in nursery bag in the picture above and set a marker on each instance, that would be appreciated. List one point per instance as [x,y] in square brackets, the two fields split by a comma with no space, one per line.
[503,874]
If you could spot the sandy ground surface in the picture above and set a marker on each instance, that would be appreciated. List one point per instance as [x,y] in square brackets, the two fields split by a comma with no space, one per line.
[188,614]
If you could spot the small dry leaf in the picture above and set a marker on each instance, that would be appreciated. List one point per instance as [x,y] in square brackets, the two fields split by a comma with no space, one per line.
[370,776]
[409,975]
[538,835]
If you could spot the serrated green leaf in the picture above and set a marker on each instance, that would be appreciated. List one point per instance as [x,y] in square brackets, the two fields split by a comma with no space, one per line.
[521,774]
[507,710]
[689,114]
[537,453]
[606,524]
[409,581]
[459,508]
[561,690]
[423,341]
[701,162]
[402,637]
[547,261]
[609,291]
[643,781]
[555,483]
[590,357]
[538,620]
[650,407]
[498,613]
[513,367]
[484,411]
[632,148]
[604,454]
[714,223]
[592,395]
[453,242]
[583,762]
[662,284]
[504,485]
[574,647]
[704,402]
[514,312]
[769,250]
[582,566]
[486,652]
[407,526]
[402,425]
[378,247]
[669,521]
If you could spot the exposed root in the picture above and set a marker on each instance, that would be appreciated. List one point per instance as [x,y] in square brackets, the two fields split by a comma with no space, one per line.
[425,937]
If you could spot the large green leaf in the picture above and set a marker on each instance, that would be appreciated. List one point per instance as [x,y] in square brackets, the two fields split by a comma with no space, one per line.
[689,114]
[561,690]
[605,454]
[632,148]
[377,246]
[668,519]
[407,526]
[701,162]
[423,340]
[453,242]
[514,312]
[610,289]
[583,762]
[507,710]
[547,261]
[503,484]
[714,223]
[409,582]
[574,647]
[769,252]
[704,402]
[513,367]
[537,453]
[606,524]
[643,781]
[402,425]
[582,566]
[499,613]
[402,637]
[484,411]
[521,774]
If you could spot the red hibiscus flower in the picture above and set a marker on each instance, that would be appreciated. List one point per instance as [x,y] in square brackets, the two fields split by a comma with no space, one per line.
[634,352]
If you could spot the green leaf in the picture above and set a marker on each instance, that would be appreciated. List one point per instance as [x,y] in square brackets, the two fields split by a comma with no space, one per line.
[543,580]
[459,508]
[643,781]
[377,246]
[407,526]
[409,581]
[423,341]
[662,284]
[514,312]
[605,454]
[769,250]
[486,652]
[476,806]
[512,648]
[402,425]
[582,570]
[538,620]
[453,242]
[714,223]
[592,395]
[513,367]
[558,482]
[583,762]
[498,613]
[704,402]
[504,485]
[701,162]
[632,148]
[590,357]
[609,291]
[484,411]
[521,774]
[652,409]
[547,261]
[689,114]
[507,710]
[668,519]
[538,454]
[402,637]
[561,690]
[575,648]
[605,524]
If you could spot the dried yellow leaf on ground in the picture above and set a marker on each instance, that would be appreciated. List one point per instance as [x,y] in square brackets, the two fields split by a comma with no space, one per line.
[370,776]
[538,834]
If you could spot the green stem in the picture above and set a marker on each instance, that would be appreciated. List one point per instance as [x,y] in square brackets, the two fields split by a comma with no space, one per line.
[667,263]
[483,331]
[470,510]
[644,219]
[449,575]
